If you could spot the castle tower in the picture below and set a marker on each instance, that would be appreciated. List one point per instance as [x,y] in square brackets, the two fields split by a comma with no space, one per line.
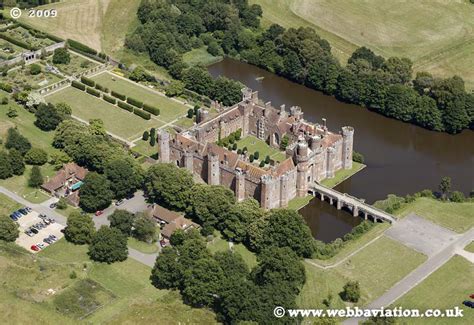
[188,161]
[282,111]
[213,169]
[302,169]
[164,146]
[246,93]
[315,142]
[240,186]
[268,107]
[347,146]
[284,191]
[203,115]
[266,193]
[331,162]
[246,109]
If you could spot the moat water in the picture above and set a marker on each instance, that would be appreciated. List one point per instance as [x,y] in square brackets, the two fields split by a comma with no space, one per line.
[401,158]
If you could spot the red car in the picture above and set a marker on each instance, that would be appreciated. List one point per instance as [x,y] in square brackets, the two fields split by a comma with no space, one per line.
[471,296]
[34,248]
[98,213]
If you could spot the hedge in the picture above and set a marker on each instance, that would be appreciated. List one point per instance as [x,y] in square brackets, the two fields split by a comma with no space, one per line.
[17,42]
[92,91]
[118,95]
[50,36]
[109,99]
[87,81]
[151,109]
[142,114]
[7,87]
[81,47]
[134,102]
[101,88]
[78,85]
[125,106]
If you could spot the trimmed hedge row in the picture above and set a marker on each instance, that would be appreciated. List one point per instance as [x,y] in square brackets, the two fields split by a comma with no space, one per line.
[151,109]
[134,102]
[7,87]
[101,88]
[17,42]
[92,91]
[78,85]
[81,47]
[109,99]
[118,95]
[142,114]
[87,81]
[125,106]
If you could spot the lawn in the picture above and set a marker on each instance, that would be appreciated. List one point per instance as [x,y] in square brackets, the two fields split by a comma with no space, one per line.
[218,244]
[19,184]
[142,246]
[458,217]
[77,64]
[299,202]
[169,109]
[144,148]
[343,174]
[389,28]
[200,56]
[254,144]
[122,289]
[446,288]
[7,205]
[116,120]
[470,247]
[377,268]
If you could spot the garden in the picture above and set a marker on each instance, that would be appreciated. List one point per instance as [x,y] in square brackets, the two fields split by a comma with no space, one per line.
[24,77]
[9,50]
[77,64]
[32,39]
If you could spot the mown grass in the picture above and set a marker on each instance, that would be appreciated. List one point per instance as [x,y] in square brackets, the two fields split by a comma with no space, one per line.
[446,288]
[218,244]
[200,56]
[342,174]
[144,148]
[142,246]
[299,202]
[7,205]
[470,247]
[254,144]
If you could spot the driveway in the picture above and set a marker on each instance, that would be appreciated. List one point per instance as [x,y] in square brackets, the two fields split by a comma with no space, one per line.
[421,235]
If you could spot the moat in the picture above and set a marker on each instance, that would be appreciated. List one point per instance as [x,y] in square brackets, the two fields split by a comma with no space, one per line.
[400,158]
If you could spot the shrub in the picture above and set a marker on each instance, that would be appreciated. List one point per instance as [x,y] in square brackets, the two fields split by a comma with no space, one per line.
[62,204]
[267,159]
[190,113]
[7,87]
[262,164]
[101,88]
[81,47]
[35,69]
[239,151]
[351,291]
[109,99]
[87,81]
[251,158]
[125,106]
[4,101]
[92,91]
[256,155]
[146,136]
[118,95]
[234,146]
[151,109]
[357,157]
[134,102]
[427,193]
[78,85]
[61,56]
[36,156]
[457,196]
[142,114]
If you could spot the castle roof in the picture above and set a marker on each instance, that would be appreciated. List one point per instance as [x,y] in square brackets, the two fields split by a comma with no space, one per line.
[251,170]
[224,155]
[284,166]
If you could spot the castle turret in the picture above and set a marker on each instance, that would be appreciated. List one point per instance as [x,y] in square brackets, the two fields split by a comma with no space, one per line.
[246,94]
[296,112]
[330,162]
[347,146]
[163,146]
[268,107]
[302,149]
[301,179]
[315,142]
[213,169]
[284,190]
[266,194]
[246,109]
[282,111]
[203,114]
[188,161]
[240,185]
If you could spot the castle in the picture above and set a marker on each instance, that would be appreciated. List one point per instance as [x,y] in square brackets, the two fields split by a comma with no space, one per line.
[313,153]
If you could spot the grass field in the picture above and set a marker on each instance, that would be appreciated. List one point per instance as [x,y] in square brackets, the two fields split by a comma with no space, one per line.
[377,268]
[142,246]
[343,174]
[254,144]
[116,120]
[446,288]
[458,217]
[299,202]
[169,109]
[200,56]
[123,293]
[7,205]
[437,35]
[144,148]
[470,247]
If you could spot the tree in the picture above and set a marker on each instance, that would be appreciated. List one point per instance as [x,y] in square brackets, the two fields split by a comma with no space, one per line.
[12,112]
[283,144]
[427,114]
[35,69]
[455,116]
[376,61]
[122,220]
[124,177]
[36,178]
[80,228]
[351,291]
[238,217]
[8,229]
[232,264]
[169,185]
[36,156]
[108,245]
[6,169]
[61,56]
[166,273]
[144,228]
[400,102]
[61,204]
[16,141]
[445,186]
[16,162]
[175,88]
[399,69]
[286,228]
[457,196]
[47,117]
[97,127]
[146,136]
[190,113]
[95,193]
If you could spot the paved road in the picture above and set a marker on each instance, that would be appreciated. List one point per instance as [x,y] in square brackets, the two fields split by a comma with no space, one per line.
[135,203]
[419,274]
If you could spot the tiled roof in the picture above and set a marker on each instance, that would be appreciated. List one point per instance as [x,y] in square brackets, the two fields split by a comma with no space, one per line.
[224,154]
[69,170]
[251,169]
[163,214]
[284,167]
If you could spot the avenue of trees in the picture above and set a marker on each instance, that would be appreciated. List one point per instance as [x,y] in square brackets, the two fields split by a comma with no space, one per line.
[384,85]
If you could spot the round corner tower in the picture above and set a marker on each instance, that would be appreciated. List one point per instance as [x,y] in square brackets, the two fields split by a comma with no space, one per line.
[163,146]
[347,146]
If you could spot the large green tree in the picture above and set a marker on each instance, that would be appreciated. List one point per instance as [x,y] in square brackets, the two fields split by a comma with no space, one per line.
[122,220]
[47,117]
[61,56]
[6,169]
[144,228]
[238,217]
[95,193]
[16,141]
[16,162]
[108,245]
[166,274]
[8,229]
[36,156]
[79,229]
[36,177]
[124,177]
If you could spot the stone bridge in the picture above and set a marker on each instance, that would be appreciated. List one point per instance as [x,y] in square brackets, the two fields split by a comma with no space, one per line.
[354,204]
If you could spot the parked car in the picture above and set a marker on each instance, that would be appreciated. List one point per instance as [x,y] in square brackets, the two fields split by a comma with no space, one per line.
[34,248]
[53,237]
[41,246]
[471,296]
[17,214]
[13,217]
[28,209]
[23,211]
[468,303]
[99,212]
[51,220]
[53,205]
[34,230]
[29,233]
[47,240]
[119,203]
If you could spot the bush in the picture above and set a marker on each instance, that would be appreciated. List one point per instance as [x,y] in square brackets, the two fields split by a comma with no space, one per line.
[151,109]
[262,164]
[134,102]
[36,156]
[427,193]
[251,158]
[93,92]
[62,204]
[35,69]
[7,87]
[109,99]
[78,85]
[457,196]
[142,114]
[190,113]
[87,81]
[357,157]
[351,292]
[101,88]
[81,47]
[8,229]
[125,106]
[61,56]
[146,136]
[256,155]
[118,95]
